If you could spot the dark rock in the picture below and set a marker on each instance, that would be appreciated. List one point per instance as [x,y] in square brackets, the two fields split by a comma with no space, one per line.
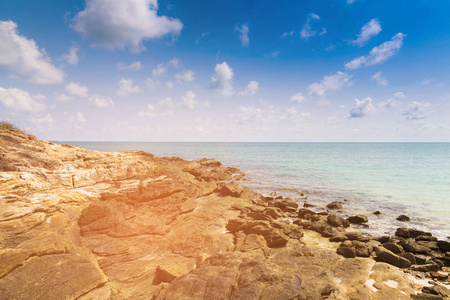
[337,221]
[426,238]
[410,233]
[362,249]
[441,291]
[425,268]
[429,244]
[318,226]
[389,257]
[346,250]
[334,205]
[304,213]
[383,239]
[303,223]
[415,248]
[323,213]
[306,204]
[377,212]
[403,218]
[358,219]
[439,275]
[273,212]
[287,205]
[327,232]
[409,256]
[424,296]
[393,247]
[444,246]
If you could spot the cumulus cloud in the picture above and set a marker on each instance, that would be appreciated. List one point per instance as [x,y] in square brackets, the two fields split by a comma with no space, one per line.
[115,24]
[290,33]
[222,79]
[243,35]
[72,57]
[417,111]
[101,102]
[62,97]
[126,87]
[392,102]
[251,89]
[378,77]
[46,120]
[329,83]
[136,65]
[77,90]
[150,83]
[19,100]
[169,84]
[168,102]
[378,54]
[185,76]
[399,95]
[369,30]
[362,108]
[307,30]
[298,98]
[162,68]
[151,112]
[189,101]
[22,56]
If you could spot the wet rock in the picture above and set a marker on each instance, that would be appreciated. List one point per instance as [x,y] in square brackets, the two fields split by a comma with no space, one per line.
[337,221]
[439,275]
[377,212]
[403,218]
[383,239]
[389,257]
[410,233]
[334,205]
[304,213]
[358,219]
[444,246]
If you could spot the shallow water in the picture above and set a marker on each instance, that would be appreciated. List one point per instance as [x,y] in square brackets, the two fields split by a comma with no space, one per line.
[395,178]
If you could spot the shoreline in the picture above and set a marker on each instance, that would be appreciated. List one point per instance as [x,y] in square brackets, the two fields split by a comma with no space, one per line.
[131,225]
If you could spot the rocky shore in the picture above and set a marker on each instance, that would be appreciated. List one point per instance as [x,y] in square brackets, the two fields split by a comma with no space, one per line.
[83,224]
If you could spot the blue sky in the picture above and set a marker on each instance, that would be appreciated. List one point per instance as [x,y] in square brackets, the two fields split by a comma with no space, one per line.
[148,70]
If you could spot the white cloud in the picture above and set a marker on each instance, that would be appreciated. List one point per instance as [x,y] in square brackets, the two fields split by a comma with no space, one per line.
[20,100]
[102,102]
[243,35]
[22,56]
[290,33]
[166,102]
[136,65]
[426,81]
[379,54]
[329,83]
[298,98]
[251,89]
[362,108]
[222,79]
[351,1]
[200,37]
[62,97]
[77,118]
[378,77]
[150,83]
[150,112]
[47,120]
[189,101]
[186,76]
[324,31]
[169,84]
[417,111]
[116,23]
[369,30]
[162,68]
[249,113]
[330,48]
[275,53]
[72,56]
[126,87]
[399,95]
[77,90]
[307,31]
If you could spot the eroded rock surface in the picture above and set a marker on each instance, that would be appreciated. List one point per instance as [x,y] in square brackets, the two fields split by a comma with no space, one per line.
[82,224]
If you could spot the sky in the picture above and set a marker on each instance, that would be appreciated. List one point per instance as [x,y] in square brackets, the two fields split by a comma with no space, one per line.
[227,71]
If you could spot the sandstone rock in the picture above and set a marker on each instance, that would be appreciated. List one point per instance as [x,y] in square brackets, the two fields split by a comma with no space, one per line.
[410,233]
[415,248]
[395,248]
[389,257]
[439,275]
[444,246]
[403,218]
[358,219]
[334,205]
[337,221]
[424,296]
[425,268]
[304,213]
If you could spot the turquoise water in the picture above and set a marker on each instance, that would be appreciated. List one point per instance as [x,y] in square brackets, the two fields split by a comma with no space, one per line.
[395,178]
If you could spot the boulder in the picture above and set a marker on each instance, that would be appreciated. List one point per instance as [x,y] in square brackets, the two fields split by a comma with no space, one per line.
[403,218]
[395,248]
[389,257]
[334,205]
[410,233]
[337,221]
[444,246]
[358,219]
[304,213]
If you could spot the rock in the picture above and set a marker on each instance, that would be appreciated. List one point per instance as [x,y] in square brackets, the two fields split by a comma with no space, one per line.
[409,256]
[403,218]
[337,221]
[377,212]
[358,219]
[424,296]
[441,291]
[353,235]
[426,238]
[444,246]
[410,233]
[389,257]
[286,204]
[346,251]
[362,249]
[439,275]
[425,268]
[273,236]
[429,244]
[395,248]
[415,247]
[334,205]
[304,213]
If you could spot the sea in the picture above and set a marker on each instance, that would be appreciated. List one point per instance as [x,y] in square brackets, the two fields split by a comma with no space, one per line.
[394,178]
